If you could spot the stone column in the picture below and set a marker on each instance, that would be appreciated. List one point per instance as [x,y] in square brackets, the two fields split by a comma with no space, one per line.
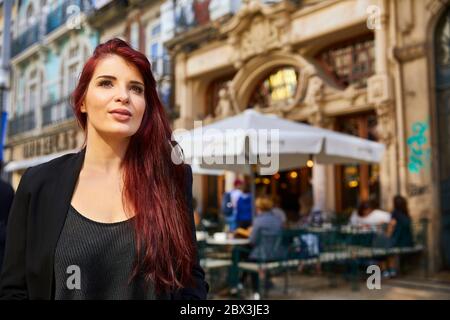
[379,94]
[183,94]
[323,190]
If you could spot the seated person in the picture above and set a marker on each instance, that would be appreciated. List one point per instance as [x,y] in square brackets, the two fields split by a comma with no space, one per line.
[399,234]
[269,222]
[368,215]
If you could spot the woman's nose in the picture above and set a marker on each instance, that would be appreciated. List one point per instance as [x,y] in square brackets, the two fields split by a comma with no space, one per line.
[123,95]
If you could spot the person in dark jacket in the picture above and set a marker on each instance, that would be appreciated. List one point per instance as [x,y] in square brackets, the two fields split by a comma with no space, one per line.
[6,199]
[115,220]
[399,233]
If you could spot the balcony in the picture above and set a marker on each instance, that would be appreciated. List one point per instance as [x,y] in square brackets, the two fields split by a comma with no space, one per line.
[22,123]
[161,66]
[63,12]
[183,16]
[25,40]
[56,112]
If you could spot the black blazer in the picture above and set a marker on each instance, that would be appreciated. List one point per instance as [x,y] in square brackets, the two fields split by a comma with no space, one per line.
[36,219]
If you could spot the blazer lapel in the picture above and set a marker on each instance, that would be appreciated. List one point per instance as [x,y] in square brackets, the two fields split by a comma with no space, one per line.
[63,186]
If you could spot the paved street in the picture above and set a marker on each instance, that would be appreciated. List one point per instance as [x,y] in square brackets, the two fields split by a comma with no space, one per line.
[410,287]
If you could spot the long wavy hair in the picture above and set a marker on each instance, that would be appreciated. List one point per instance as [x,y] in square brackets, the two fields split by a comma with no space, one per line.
[154,186]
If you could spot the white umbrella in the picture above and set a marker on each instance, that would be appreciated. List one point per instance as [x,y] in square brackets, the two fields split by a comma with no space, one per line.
[270,144]
[252,142]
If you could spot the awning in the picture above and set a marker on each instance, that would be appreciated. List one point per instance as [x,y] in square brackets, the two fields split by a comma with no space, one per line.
[26,163]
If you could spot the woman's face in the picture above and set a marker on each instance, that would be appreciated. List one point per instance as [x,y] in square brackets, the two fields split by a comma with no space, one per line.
[114,101]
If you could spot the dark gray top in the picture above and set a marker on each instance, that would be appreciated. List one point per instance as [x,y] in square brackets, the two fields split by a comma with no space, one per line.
[95,260]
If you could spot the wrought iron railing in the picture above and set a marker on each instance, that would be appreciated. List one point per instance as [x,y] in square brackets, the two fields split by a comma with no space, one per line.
[57,111]
[26,39]
[22,123]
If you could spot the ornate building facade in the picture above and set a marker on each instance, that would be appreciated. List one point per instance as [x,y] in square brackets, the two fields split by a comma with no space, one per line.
[378,69]
[50,42]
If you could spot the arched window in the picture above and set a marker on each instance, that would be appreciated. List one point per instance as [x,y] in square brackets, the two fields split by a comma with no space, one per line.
[442,44]
[278,88]
[30,15]
[349,63]
[32,98]
[72,63]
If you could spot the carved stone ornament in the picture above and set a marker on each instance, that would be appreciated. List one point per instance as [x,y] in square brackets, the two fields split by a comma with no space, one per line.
[315,91]
[379,89]
[434,6]
[385,127]
[262,36]
[318,118]
[258,29]
[410,52]
[226,107]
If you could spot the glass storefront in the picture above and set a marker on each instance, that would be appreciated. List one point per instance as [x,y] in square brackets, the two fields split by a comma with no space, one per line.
[357,182]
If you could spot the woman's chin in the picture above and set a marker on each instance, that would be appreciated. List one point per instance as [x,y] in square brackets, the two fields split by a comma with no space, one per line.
[119,132]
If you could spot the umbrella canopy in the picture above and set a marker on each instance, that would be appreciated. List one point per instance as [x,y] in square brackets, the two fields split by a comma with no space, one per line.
[270,144]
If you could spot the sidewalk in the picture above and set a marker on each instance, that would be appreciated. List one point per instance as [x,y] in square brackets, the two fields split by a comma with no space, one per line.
[310,287]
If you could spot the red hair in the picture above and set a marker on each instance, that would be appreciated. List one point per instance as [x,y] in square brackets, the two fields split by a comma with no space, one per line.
[153,185]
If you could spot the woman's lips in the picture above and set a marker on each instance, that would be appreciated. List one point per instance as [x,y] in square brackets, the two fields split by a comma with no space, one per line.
[120,115]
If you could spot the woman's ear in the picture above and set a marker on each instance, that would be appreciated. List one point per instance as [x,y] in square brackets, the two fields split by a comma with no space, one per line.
[83,108]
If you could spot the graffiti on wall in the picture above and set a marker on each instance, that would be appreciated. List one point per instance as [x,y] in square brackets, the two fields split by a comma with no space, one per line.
[419,154]
[416,190]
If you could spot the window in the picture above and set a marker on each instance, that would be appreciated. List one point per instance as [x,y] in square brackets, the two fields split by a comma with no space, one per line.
[134,35]
[278,88]
[357,182]
[32,92]
[30,16]
[71,68]
[349,63]
[73,77]
[20,94]
[1,44]
[33,97]
[155,48]
[442,43]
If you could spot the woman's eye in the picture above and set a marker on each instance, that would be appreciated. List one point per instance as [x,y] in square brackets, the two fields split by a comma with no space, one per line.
[137,89]
[105,83]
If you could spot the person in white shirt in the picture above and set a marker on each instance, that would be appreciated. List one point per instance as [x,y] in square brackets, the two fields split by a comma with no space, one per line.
[368,215]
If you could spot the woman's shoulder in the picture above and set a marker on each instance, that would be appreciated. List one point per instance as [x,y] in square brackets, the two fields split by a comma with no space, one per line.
[54,163]
[37,174]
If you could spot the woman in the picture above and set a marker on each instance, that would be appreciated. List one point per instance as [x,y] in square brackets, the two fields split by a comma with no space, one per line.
[261,248]
[115,220]
[400,235]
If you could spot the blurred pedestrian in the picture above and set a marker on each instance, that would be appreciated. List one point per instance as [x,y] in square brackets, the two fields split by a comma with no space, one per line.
[229,205]
[6,199]
[244,208]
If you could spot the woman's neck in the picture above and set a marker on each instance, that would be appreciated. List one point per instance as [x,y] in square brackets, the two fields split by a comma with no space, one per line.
[104,154]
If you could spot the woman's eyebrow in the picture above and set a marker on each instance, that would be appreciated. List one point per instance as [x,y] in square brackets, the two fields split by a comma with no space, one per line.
[114,78]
